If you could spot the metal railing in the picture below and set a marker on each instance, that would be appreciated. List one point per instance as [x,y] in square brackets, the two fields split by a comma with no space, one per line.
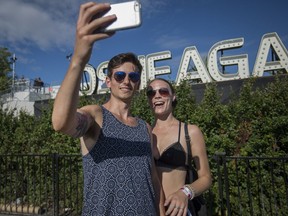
[53,185]
[252,185]
[37,92]
[41,184]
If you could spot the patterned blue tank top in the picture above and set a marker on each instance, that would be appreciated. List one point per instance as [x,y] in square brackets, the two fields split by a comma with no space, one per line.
[117,171]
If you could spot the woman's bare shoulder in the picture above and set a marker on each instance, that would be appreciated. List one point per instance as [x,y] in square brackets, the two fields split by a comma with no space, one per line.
[194,131]
[193,128]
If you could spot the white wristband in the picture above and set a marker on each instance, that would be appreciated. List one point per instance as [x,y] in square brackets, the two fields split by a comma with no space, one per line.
[186,191]
[192,190]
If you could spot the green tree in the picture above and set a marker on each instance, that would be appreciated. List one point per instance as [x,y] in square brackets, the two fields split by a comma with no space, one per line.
[5,68]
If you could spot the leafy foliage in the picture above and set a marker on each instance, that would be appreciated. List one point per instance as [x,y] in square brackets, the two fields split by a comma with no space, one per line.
[254,123]
[5,68]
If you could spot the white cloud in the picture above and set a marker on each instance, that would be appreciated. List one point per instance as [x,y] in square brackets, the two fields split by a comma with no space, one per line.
[25,24]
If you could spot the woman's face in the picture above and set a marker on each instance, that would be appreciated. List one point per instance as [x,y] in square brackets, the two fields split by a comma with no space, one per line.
[160,97]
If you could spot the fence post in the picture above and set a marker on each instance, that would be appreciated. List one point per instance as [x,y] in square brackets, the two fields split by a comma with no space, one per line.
[219,159]
[55,165]
[226,183]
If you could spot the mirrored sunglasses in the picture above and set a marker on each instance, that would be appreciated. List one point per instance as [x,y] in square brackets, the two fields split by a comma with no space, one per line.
[119,76]
[164,92]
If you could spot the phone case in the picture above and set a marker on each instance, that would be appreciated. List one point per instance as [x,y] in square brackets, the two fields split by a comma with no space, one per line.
[128,16]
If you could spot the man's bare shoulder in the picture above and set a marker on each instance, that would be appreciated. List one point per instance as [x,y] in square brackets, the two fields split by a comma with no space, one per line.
[93,113]
[93,109]
[89,119]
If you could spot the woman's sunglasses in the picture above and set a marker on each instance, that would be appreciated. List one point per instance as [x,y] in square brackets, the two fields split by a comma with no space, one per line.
[164,92]
[119,76]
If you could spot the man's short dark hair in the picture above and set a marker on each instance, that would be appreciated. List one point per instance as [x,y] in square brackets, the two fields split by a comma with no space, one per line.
[122,58]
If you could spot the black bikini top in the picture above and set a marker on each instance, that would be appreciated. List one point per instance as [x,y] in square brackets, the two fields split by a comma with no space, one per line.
[174,155]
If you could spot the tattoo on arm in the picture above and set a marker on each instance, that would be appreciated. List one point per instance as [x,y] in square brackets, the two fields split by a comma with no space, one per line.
[82,125]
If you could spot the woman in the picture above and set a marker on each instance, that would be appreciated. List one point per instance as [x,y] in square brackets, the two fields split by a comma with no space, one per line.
[171,150]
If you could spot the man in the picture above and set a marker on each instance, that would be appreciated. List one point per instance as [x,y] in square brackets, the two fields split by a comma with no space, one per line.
[119,173]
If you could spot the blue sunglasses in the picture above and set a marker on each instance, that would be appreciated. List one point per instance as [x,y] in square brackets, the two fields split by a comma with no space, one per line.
[119,76]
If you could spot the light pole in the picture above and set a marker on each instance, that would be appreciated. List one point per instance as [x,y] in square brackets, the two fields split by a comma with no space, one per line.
[13,59]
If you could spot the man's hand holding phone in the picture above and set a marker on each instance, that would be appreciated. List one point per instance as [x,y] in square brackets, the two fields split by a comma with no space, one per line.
[86,28]
[98,21]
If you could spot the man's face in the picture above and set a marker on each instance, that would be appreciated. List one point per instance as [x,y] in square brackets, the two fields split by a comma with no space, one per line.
[124,81]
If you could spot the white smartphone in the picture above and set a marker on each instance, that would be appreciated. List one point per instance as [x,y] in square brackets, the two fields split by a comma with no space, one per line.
[128,16]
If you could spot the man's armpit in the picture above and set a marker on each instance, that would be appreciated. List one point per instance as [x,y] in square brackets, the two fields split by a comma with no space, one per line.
[83,122]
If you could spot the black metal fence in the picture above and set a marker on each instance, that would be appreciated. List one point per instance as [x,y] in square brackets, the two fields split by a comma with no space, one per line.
[41,184]
[250,186]
[52,185]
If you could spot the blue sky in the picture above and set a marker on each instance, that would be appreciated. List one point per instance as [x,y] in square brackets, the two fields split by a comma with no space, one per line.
[41,32]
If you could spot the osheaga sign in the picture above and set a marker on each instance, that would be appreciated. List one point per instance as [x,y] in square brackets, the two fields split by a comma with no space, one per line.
[205,72]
